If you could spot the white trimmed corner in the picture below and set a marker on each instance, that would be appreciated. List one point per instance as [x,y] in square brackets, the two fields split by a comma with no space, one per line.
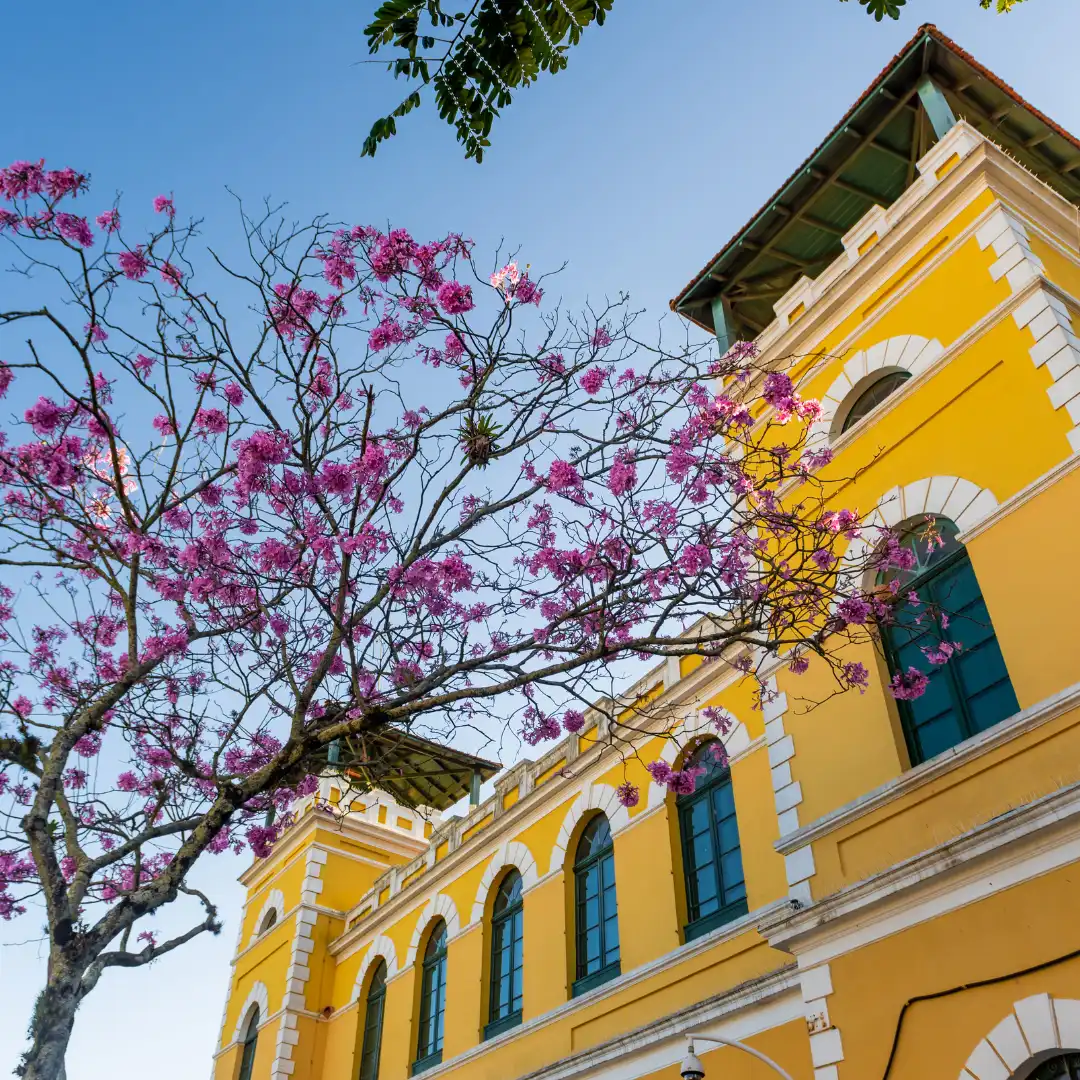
[511,854]
[439,906]
[382,948]
[595,797]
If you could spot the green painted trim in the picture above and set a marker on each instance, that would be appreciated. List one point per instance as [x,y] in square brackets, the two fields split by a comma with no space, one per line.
[724,323]
[938,110]
[597,978]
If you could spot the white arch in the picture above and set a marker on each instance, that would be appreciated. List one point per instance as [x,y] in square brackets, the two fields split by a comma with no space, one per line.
[906,352]
[735,742]
[381,948]
[439,906]
[594,797]
[1035,1025]
[257,995]
[960,500]
[513,853]
[276,901]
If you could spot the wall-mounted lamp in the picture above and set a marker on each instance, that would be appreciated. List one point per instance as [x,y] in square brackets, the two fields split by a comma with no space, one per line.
[692,1069]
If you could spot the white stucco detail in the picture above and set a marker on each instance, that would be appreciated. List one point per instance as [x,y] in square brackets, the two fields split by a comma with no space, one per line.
[515,854]
[439,906]
[257,995]
[381,948]
[595,797]
[275,901]
[960,500]
[1035,1025]
[905,352]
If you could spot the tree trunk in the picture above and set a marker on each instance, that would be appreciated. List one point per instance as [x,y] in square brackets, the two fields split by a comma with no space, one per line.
[51,1025]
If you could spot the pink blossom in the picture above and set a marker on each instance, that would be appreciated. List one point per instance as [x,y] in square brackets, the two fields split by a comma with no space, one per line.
[234,394]
[212,421]
[164,425]
[799,665]
[854,610]
[908,685]
[386,334]
[455,298]
[22,179]
[61,182]
[622,477]
[109,220]
[134,264]
[171,275]
[563,477]
[573,721]
[163,204]
[74,228]
[855,674]
[600,338]
[628,794]
[593,380]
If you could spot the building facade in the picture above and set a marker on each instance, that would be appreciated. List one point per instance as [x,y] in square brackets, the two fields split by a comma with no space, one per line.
[873,890]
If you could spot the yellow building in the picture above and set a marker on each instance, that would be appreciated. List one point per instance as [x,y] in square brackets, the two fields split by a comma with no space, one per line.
[876,890]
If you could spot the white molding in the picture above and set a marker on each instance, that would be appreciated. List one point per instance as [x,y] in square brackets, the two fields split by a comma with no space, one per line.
[596,796]
[381,948]
[440,906]
[928,772]
[257,995]
[1023,496]
[513,853]
[1010,849]
[274,901]
[1035,1025]
[904,352]
[953,497]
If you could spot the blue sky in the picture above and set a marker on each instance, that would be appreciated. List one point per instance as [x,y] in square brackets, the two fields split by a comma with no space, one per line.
[633,166]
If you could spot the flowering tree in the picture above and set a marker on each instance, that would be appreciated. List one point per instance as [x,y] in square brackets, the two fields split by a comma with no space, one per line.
[365,487]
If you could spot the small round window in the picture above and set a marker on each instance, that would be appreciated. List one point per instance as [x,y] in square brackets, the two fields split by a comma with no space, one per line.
[873,396]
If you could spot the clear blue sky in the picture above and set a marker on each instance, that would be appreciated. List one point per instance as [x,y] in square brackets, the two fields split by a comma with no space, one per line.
[635,165]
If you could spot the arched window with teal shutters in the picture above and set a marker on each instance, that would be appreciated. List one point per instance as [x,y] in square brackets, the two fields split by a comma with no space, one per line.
[712,854]
[596,913]
[972,691]
[251,1041]
[429,1044]
[873,396]
[507,968]
[373,1023]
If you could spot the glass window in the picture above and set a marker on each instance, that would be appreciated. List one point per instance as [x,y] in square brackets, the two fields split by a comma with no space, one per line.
[373,1018]
[1061,1067]
[596,916]
[507,936]
[712,855]
[269,919]
[972,691]
[432,1001]
[251,1039]
[873,396]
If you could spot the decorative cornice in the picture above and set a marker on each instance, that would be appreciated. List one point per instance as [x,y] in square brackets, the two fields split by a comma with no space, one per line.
[1005,731]
[931,873]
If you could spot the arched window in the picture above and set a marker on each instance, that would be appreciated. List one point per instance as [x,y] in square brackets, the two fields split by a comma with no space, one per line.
[251,1039]
[432,1001]
[269,919]
[596,916]
[970,692]
[873,396]
[1059,1067]
[373,1018]
[712,856]
[507,936]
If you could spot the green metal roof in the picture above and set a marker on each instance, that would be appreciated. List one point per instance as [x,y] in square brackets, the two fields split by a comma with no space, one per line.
[414,771]
[869,158]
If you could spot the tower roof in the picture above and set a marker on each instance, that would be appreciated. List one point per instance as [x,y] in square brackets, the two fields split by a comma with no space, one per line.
[868,158]
[414,771]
